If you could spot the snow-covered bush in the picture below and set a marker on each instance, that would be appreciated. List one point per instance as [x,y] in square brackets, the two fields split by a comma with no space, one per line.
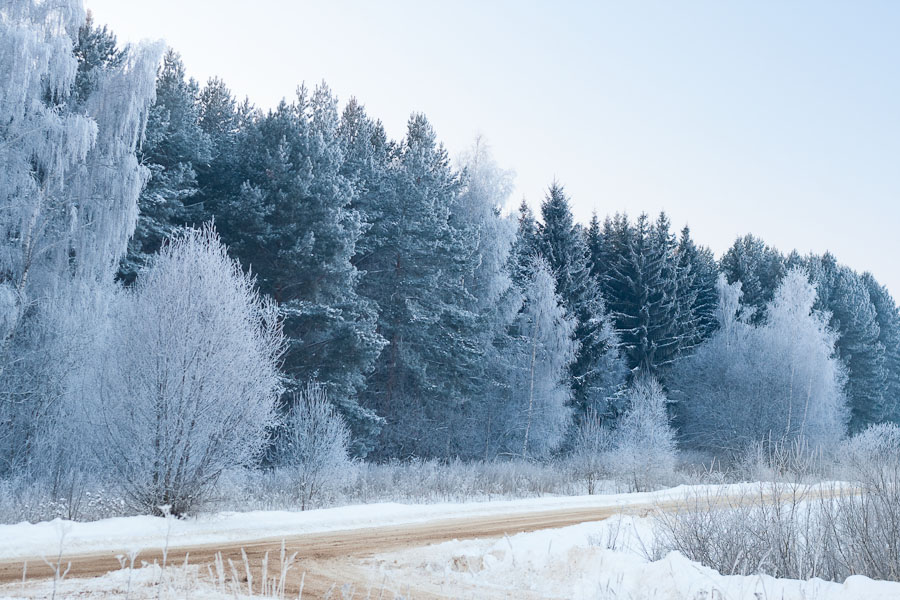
[775,530]
[796,531]
[188,385]
[590,450]
[640,452]
[643,452]
[876,447]
[312,445]
[778,460]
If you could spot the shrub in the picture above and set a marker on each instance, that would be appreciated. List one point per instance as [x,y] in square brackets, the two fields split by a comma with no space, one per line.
[312,445]
[190,379]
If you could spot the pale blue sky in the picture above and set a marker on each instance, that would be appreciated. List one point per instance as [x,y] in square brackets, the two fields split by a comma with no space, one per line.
[780,118]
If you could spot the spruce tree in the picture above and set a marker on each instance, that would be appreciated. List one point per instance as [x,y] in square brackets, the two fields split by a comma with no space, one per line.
[844,296]
[594,239]
[526,245]
[758,267]
[596,371]
[643,284]
[887,316]
[698,273]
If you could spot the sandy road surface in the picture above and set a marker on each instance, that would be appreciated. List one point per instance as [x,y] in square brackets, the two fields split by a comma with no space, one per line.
[333,558]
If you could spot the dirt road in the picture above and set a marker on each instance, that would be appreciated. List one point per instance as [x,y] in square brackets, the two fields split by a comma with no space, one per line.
[326,562]
[334,558]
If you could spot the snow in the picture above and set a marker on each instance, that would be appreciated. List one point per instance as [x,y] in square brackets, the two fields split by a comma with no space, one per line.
[613,558]
[30,540]
[145,583]
[597,560]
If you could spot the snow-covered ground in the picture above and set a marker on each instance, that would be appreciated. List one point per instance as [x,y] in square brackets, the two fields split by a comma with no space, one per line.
[611,559]
[599,561]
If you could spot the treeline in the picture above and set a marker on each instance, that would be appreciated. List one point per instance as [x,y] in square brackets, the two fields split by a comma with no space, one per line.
[410,295]
[437,325]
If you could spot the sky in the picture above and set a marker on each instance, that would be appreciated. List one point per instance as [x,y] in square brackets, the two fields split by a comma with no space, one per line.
[777,118]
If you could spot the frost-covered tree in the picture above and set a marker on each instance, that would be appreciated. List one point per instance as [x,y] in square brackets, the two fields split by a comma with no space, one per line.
[188,382]
[777,381]
[69,182]
[173,146]
[533,419]
[312,445]
[495,300]
[292,224]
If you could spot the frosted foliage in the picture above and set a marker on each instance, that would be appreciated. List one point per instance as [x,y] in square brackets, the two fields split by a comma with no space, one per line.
[190,378]
[38,143]
[312,445]
[875,447]
[729,306]
[69,180]
[68,189]
[776,382]
[816,408]
[643,443]
[105,188]
[540,412]
[486,190]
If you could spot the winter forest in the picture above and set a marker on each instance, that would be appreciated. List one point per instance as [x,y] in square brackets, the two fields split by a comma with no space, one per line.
[196,293]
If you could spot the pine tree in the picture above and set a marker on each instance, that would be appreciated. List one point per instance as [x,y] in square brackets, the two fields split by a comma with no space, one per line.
[291,223]
[225,123]
[596,371]
[416,266]
[96,50]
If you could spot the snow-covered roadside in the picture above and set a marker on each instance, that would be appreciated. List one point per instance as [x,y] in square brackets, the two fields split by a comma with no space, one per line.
[27,540]
[602,560]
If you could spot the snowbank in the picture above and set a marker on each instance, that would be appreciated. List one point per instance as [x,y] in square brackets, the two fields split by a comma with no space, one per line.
[597,560]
